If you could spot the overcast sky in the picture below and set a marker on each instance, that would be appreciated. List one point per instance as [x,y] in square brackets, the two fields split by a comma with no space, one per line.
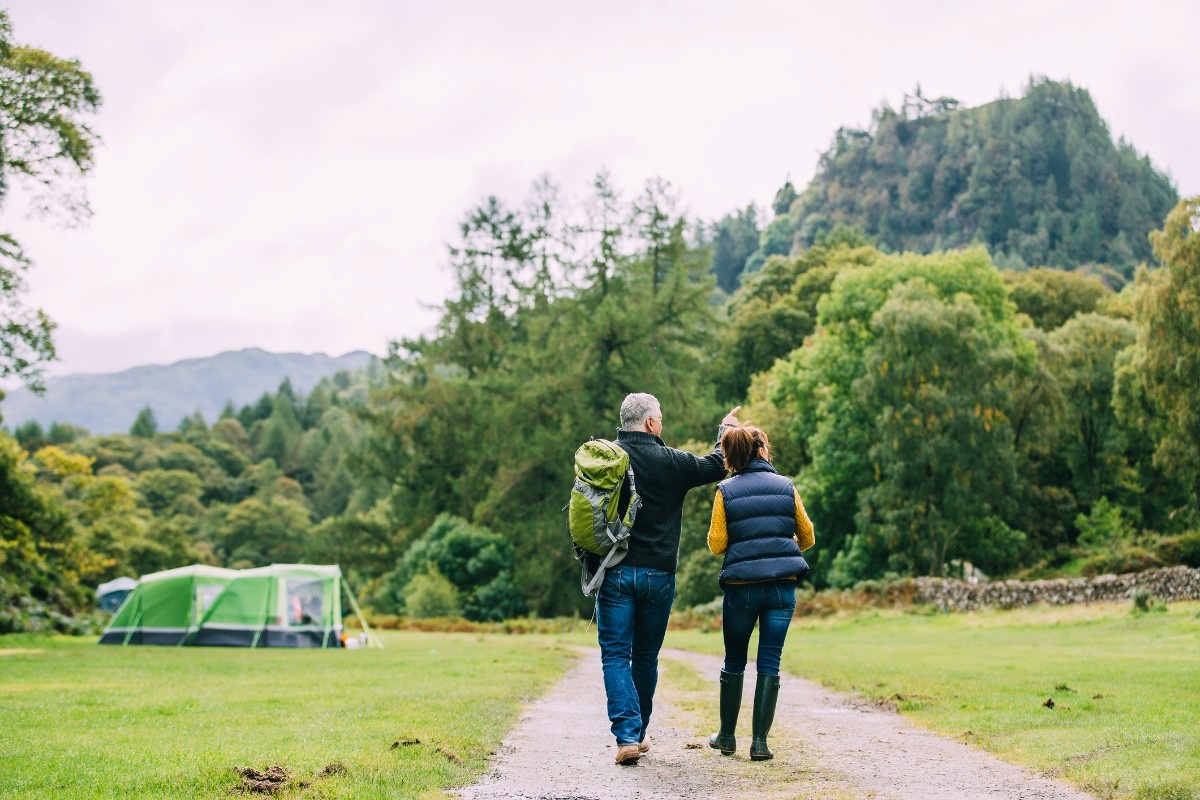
[287,175]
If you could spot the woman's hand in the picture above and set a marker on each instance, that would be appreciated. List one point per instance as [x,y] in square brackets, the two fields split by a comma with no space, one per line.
[731,417]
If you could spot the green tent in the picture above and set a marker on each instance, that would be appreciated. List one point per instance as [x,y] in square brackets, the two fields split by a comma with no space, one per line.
[283,605]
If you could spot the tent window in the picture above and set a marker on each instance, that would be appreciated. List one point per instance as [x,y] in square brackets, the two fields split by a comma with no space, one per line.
[304,599]
[206,595]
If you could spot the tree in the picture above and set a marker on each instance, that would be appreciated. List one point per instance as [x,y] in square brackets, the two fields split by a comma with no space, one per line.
[1091,440]
[263,530]
[112,528]
[734,239]
[477,562]
[834,401]
[473,421]
[31,435]
[1037,179]
[936,381]
[44,143]
[44,569]
[784,198]
[774,311]
[144,426]
[1051,297]
[1169,338]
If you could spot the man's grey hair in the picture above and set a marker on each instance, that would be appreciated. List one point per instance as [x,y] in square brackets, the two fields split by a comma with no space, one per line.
[637,408]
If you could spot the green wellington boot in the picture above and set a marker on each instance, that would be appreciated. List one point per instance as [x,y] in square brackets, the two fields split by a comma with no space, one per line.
[766,692]
[731,703]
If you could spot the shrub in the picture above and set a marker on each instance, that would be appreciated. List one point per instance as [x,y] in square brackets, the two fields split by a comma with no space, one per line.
[1183,549]
[696,581]
[706,617]
[1172,790]
[1104,527]
[1121,559]
[475,560]
[1141,600]
[431,595]
[1146,603]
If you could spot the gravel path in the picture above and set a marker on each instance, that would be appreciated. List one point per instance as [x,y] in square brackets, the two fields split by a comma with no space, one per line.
[826,746]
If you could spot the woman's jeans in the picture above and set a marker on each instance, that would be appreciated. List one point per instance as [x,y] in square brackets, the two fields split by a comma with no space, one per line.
[632,609]
[771,605]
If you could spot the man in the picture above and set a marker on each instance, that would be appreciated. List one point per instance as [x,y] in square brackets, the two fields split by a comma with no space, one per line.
[634,602]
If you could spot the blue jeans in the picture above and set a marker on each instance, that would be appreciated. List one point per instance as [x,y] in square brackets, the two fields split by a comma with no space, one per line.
[771,605]
[632,609]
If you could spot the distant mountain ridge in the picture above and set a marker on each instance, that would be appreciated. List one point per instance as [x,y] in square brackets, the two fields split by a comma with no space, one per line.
[109,403]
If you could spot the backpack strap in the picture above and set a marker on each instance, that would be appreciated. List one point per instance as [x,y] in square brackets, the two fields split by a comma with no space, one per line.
[590,583]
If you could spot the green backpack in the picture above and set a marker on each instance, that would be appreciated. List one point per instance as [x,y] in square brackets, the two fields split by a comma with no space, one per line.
[595,517]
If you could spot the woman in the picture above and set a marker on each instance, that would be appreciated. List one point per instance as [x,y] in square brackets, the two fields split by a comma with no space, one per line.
[759,523]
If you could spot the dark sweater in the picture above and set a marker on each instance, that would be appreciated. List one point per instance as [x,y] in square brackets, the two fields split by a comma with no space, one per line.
[663,476]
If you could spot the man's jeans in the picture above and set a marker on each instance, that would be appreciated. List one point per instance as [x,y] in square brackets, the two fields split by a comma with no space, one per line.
[632,609]
[770,604]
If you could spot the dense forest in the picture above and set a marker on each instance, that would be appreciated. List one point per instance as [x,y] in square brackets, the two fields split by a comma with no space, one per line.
[1037,179]
[937,409]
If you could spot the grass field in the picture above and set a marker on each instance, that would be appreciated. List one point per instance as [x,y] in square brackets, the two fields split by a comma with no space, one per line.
[1125,687]
[82,721]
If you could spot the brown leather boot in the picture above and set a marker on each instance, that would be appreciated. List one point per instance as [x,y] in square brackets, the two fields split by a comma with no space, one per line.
[628,754]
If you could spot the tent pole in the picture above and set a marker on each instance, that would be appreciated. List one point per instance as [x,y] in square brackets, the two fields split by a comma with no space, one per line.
[270,591]
[193,620]
[137,620]
[372,639]
[328,628]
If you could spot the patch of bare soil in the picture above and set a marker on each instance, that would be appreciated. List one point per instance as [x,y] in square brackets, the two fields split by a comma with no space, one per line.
[826,746]
[270,781]
[275,779]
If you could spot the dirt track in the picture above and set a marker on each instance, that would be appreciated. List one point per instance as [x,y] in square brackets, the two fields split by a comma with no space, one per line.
[826,745]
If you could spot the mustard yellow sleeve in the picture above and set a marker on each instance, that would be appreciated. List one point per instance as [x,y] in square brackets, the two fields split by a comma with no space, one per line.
[804,527]
[718,535]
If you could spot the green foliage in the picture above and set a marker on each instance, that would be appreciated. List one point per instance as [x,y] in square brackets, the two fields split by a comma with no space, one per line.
[1111,542]
[1105,527]
[776,239]
[144,426]
[1037,179]
[474,562]
[696,581]
[784,199]
[1167,790]
[1142,599]
[936,384]
[775,311]
[44,101]
[1051,297]
[1168,361]
[734,238]
[430,594]
[1092,443]
[1181,549]
[45,568]
[480,422]
[933,410]
[901,398]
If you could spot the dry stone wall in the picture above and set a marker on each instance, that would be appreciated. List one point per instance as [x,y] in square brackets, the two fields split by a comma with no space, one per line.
[1167,584]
